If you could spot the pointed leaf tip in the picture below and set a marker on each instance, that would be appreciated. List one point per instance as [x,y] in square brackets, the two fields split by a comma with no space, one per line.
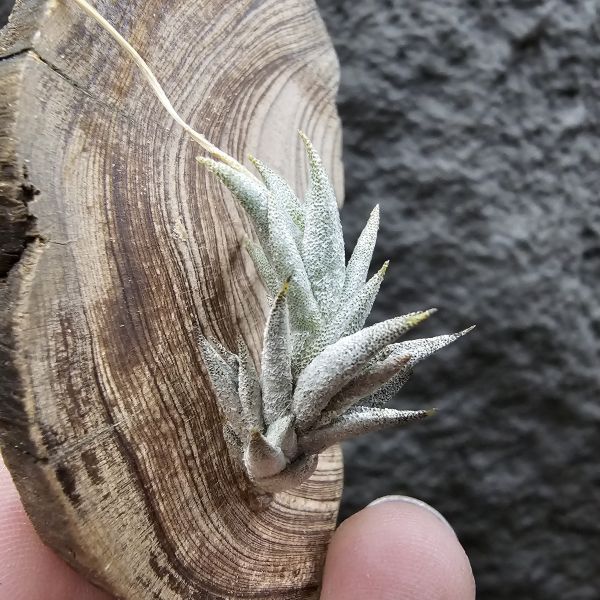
[313,157]
[419,317]
[355,422]
[430,412]
[258,165]
[360,261]
[249,389]
[246,188]
[285,197]
[263,267]
[306,141]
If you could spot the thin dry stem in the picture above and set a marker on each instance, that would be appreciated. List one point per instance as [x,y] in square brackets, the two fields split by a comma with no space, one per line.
[158,90]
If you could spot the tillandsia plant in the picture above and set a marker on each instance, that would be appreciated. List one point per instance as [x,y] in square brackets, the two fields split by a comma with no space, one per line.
[323,378]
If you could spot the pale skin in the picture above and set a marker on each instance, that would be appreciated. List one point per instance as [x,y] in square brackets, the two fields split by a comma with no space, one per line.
[393,550]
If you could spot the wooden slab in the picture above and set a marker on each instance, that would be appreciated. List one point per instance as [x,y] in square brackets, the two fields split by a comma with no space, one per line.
[116,251]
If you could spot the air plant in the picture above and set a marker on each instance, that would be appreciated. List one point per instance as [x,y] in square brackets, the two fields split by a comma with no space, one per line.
[323,378]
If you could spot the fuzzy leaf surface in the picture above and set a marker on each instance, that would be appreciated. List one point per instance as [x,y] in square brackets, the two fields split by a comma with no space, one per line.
[323,242]
[356,422]
[338,363]
[276,376]
[358,265]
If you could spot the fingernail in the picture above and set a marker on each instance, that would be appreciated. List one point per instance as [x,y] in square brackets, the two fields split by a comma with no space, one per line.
[415,501]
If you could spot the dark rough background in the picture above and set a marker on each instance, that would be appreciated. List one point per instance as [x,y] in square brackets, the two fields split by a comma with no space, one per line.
[476,126]
[5,8]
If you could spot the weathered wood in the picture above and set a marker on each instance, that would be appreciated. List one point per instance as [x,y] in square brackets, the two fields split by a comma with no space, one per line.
[116,250]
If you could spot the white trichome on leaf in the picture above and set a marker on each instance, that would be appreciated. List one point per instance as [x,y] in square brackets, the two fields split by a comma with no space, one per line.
[323,376]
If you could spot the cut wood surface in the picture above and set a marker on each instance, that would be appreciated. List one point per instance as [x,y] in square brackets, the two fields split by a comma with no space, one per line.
[116,250]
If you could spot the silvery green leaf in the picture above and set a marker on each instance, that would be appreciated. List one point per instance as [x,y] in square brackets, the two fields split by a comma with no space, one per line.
[229,357]
[250,194]
[417,350]
[372,377]
[276,376]
[280,189]
[263,267]
[356,422]
[261,458]
[349,319]
[292,477]
[225,383]
[249,390]
[352,317]
[301,341]
[323,242]
[281,434]
[387,391]
[233,441]
[338,363]
[420,349]
[286,259]
[358,265]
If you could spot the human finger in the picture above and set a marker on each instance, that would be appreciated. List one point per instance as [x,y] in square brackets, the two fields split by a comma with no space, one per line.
[397,550]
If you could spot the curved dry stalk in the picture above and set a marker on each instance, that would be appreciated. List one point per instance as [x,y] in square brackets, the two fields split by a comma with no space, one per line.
[158,90]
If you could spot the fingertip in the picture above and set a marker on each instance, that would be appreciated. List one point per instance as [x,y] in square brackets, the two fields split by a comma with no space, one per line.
[394,549]
[30,570]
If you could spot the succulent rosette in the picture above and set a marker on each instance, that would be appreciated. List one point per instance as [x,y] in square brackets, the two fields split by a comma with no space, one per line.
[324,377]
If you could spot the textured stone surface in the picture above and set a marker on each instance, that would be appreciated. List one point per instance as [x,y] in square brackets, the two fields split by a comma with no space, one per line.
[5,8]
[476,126]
